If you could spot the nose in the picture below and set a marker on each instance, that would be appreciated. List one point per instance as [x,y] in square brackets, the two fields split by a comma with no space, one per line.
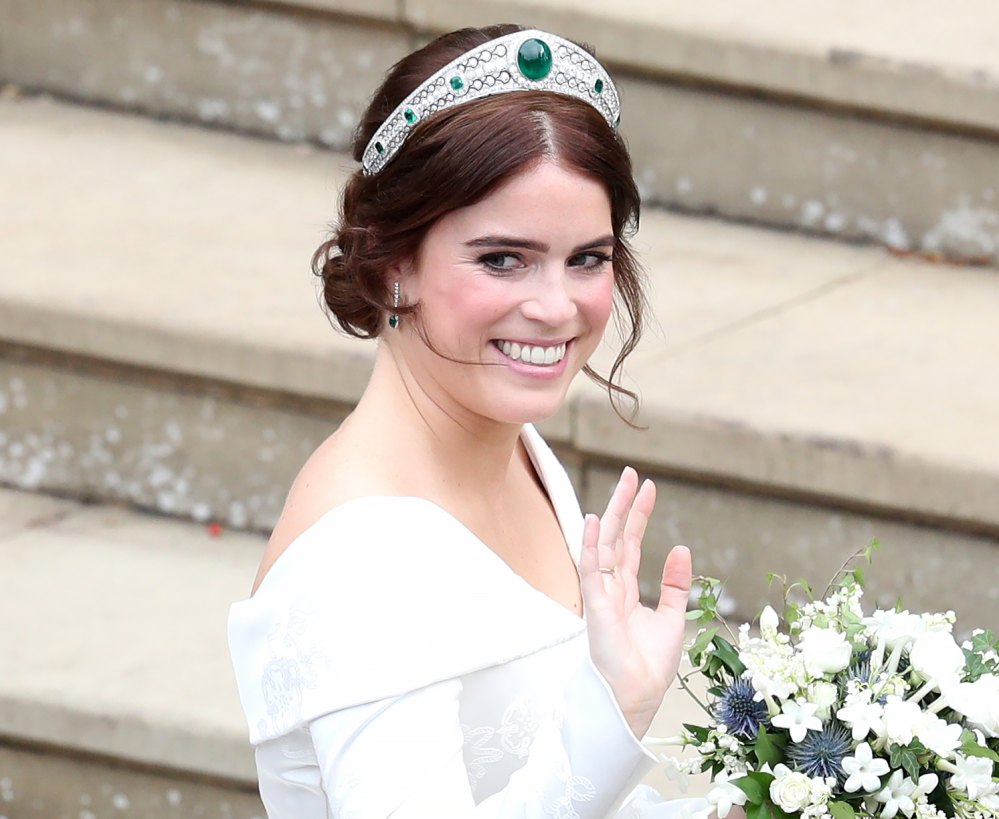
[551,301]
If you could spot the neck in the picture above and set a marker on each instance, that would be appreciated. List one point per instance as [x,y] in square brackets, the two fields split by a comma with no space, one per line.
[451,445]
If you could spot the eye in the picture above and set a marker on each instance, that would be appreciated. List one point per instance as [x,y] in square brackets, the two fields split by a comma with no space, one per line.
[590,261]
[501,262]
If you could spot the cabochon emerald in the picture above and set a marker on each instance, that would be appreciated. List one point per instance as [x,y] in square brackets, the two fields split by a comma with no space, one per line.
[598,86]
[379,147]
[457,84]
[534,59]
[410,115]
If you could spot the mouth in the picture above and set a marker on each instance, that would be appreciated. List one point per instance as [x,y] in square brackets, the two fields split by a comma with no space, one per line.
[536,355]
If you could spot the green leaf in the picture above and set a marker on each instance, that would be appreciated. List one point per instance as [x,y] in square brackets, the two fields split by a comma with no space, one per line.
[756,786]
[904,756]
[767,748]
[974,749]
[696,731]
[701,642]
[725,652]
[761,811]
[841,810]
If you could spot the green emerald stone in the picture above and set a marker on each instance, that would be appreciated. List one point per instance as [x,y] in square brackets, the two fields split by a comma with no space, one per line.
[457,84]
[393,321]
[410,115]
[534,59]
[598,86]
[379,147]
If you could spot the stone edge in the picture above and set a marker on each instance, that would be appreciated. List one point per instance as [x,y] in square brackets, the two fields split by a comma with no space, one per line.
[721,450]
[841,77]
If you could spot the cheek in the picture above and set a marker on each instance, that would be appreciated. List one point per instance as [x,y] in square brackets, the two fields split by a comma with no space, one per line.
[599,300]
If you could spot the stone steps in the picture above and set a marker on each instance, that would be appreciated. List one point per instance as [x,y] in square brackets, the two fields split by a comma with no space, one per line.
[878,124]
[175,359]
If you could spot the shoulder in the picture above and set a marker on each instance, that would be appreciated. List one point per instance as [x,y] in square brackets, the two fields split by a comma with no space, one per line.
[333,476]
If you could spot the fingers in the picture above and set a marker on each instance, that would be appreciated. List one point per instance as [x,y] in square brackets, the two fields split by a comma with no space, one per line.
[613,519]
[676,581]
[630,549]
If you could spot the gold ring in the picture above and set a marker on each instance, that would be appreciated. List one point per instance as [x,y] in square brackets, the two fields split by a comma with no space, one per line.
[609,571]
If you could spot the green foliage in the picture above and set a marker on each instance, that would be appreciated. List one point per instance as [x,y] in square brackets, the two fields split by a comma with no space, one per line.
[726,654]
[841,810]
[907,757]
[756,786]
[769,748]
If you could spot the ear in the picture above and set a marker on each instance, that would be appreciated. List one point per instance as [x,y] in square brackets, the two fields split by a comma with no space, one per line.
[403,272]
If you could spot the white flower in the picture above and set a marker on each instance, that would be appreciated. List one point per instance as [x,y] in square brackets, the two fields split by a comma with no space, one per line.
[769,623]
[937,657]
[824,695]
[863,769]
[771,666]
[863,717]
[674,772]
[798,718]
[973,775]
[824,651]
[901,719]
[893,627]
[978,701]
[790,790]
[940,736]
[724,795]
[897,795]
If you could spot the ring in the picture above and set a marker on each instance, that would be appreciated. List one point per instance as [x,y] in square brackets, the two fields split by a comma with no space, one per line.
[609,571]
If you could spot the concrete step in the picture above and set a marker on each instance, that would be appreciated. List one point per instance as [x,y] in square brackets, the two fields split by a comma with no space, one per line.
[162,346]
[117,698]
[878,123]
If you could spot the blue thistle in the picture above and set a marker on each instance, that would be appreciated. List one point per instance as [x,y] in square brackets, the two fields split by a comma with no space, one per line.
[821,753]
[737,709]
[860,668]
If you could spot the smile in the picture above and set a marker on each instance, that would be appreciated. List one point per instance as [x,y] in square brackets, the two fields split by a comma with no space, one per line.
[531,354]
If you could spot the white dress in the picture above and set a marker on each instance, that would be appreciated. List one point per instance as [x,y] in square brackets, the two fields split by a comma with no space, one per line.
[391,664]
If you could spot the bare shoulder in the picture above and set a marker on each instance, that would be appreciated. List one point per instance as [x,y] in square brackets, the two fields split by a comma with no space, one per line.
[333,475]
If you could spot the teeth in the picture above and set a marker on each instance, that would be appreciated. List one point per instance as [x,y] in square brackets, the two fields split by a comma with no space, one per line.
[538,356]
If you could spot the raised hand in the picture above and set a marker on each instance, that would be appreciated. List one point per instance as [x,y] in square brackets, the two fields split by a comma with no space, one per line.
[637,649]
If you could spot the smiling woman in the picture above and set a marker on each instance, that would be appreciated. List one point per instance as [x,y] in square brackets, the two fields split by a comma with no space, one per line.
[435,630]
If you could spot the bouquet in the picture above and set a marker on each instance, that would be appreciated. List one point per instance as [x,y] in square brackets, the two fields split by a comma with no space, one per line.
[833,714]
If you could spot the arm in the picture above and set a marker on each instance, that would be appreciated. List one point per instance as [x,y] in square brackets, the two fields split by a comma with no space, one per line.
[402,757]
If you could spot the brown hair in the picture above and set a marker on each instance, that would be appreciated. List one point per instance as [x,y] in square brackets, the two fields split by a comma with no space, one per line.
[460,155]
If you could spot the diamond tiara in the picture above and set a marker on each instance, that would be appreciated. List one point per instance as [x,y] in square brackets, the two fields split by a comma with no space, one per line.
[529,60]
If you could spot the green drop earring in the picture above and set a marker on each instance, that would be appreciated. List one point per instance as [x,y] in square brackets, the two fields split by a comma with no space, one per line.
[393,319]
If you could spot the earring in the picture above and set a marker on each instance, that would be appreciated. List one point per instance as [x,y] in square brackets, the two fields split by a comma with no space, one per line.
[393,319]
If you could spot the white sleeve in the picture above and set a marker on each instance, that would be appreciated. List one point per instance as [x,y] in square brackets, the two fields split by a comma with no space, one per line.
[402,757]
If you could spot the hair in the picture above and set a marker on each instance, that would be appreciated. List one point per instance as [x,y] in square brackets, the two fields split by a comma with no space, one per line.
[455,159]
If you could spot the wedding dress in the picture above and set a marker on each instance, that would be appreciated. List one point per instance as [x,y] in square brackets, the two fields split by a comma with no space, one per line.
[391,664]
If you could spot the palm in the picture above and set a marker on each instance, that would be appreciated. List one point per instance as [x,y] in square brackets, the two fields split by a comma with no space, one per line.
[637,649]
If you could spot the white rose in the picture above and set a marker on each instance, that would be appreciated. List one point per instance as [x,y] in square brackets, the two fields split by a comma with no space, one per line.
[823,695]
[824,651]
[936,656]
[790,790]
[979,702]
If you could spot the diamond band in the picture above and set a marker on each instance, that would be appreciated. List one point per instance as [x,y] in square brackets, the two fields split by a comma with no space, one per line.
[523,61]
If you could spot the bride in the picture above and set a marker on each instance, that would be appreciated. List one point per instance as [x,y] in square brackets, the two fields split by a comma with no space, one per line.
[435,629]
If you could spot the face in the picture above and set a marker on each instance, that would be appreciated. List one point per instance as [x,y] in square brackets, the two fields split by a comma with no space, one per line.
[522,283]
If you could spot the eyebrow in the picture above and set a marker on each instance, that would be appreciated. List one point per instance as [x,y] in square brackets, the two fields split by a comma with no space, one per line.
[528,244]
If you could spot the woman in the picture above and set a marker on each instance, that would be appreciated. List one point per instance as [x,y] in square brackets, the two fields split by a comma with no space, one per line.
[435,630]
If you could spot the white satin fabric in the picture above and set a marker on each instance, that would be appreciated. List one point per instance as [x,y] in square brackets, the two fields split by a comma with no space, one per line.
[391,664]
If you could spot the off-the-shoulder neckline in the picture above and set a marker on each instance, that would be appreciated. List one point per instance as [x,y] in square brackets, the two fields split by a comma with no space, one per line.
[527,435]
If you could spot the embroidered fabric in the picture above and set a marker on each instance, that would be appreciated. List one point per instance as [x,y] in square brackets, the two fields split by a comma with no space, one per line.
[462,691]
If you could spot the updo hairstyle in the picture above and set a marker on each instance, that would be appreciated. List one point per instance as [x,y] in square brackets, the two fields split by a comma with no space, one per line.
[453,160]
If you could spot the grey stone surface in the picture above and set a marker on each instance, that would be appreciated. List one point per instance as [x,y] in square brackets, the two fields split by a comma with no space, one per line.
[739,537]
[44,785]
[815,170]
[900,57]
[121,647]
[181,450]
[785,363]
[267,70]
[883,128]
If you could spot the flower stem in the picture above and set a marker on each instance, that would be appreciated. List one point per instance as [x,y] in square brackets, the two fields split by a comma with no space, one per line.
[693,696]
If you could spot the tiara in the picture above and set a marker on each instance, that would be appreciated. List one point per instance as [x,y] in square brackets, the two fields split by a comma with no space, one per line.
[523,61]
